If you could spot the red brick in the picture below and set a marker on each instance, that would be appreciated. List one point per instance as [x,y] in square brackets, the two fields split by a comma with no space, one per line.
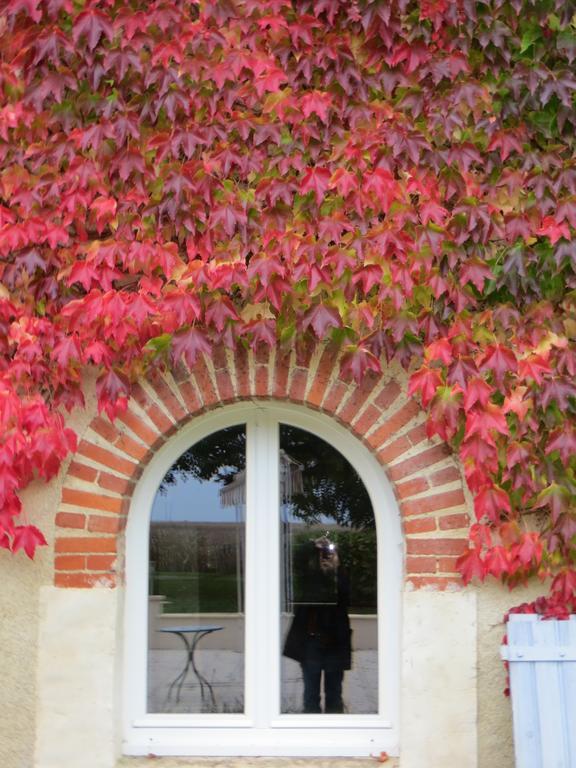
[388,395]
[85,544]
[393,424]
[180,372]
[100,562]
[261,380]
[433,503]
[103,524]
[392,451]
[420,525]
[92,500]
[108,459]
[436,546]
[190,397]
[84,580]
[137,425]
[449,522]
[322,375]
[224,384]
[281,372]
[445,476]
[366,420]
[447,564]
[242,377]
[334,397]
[358,397]
[420,565]
[298,385]
[168,398]
[304,354]
[70,520]
[120,485]
[82,472]
[157,416]
[104,428]
[70,563]
[417,434]
[411,487]
[219,357]
[423,460]
[439,583]
[204,382]
[133,448]
[262,354]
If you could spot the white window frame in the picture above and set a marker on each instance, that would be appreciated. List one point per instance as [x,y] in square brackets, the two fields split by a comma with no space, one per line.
[262,729]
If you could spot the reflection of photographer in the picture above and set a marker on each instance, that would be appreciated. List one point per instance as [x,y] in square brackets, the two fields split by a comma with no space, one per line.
[319,637]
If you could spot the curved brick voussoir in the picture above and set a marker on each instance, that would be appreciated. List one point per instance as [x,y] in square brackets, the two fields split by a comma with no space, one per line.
[110,457]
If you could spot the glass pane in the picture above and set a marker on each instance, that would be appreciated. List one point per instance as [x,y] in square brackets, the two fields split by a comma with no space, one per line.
[329,622]
[196,580]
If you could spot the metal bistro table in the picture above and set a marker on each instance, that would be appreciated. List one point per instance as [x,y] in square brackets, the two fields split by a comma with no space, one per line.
[196,632]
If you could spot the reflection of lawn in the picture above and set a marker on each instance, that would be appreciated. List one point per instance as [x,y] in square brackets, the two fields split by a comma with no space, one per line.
[197,592]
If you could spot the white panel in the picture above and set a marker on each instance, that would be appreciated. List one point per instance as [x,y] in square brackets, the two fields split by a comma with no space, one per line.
[543,690]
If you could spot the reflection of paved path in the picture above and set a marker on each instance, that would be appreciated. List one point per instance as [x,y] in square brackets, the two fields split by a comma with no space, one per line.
[223,669]
[252,762]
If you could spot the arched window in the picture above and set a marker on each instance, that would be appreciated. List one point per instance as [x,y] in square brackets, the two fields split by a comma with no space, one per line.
[263,576]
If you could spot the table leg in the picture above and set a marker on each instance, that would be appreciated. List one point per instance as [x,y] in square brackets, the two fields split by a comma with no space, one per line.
[201,679]
[178,681]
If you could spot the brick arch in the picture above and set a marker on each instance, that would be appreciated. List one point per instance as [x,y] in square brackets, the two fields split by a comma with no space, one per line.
[101,478]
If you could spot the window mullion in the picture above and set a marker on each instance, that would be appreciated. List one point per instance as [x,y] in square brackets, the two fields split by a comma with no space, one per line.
[262,564]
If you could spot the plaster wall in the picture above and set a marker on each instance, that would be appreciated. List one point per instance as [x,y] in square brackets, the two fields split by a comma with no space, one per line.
[439,680]
[21,580]
[78,672]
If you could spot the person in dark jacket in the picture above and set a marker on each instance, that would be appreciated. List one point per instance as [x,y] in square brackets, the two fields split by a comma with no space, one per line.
[319,637]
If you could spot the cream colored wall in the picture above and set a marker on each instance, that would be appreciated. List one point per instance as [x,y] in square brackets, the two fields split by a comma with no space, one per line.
[20,583]
[20,580]
[439,680]
[79,669]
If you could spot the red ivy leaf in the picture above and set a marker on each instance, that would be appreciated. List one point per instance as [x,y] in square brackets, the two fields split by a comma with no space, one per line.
[357,362]
[470,565]
[491,503]
[27,537]
[189,345]
[425,381]
[93,24]
[322,319]
[315,180]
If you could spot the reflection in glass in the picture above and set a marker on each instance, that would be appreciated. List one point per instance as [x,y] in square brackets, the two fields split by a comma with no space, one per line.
[329,592]
[196,583]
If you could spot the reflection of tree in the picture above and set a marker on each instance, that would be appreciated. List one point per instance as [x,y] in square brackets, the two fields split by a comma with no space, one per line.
[332,488]
[217,457]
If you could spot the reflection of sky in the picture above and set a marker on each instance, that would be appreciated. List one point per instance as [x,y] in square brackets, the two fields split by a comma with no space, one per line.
[288,516]
[192,500]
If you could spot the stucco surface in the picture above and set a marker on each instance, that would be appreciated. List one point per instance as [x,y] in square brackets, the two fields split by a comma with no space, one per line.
[438,693]
[21,580]
[77,678]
